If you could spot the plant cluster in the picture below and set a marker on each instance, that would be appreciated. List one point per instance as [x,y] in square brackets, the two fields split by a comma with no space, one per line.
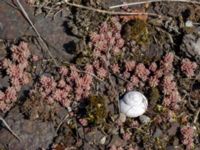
[188,135]
[15,67]
[188,67]
[71,84]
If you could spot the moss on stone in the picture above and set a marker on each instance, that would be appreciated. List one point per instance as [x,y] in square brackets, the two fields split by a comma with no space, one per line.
[136,30]
[96,110]
[154,96]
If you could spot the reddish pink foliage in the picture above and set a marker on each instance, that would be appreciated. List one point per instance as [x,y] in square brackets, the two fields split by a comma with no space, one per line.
[87,81]
[50,100]
[25,78]
[11,94]
[16,70]
[108,38]
[153,81]
[126,74]
[142,72]
[101,72]
[16,83]
[71,85]
[48,84]
[167,63]
[159,73]
[167,67]
[20,52]
[130,65]
[153,67]
[116,50]
[3,106]
[60,94]
[79,91]
[74,72]
[129,86]
[63,70]
[169,58]
[171,94]
[115,68]
[2,95]
[188,67]
[35,58]
[168,84]
[89,68]
[94,36]
[139,75]
[135,81]
[6,63]
[188,137]
[83,122]
[61,83]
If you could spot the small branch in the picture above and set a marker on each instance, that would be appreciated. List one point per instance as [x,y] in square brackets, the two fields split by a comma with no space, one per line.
[9,129]
[36,31]
[91,75]
[196,116]
[121,78]
[66,116]
[11,5]
[27,17]
[153,1]
[109,12]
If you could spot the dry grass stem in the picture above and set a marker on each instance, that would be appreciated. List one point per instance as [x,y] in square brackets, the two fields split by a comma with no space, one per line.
[110,12]
[9,129]
[38,34]
[153,1]
[62,121]
[196,116]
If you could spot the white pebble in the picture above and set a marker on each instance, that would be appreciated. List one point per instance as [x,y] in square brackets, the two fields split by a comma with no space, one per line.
[144,119]
[133,104]
[189,23]
[103,140]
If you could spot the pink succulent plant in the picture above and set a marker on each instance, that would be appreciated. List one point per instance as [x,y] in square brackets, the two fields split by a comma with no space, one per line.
[188,67]
[142,72]
[188,136]
[130,65]
[16,70]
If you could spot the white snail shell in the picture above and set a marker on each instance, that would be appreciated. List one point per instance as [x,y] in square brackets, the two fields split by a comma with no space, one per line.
[133,104]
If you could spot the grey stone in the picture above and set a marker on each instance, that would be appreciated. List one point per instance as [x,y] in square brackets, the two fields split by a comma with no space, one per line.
[144,119]
[157,133]
[34,134]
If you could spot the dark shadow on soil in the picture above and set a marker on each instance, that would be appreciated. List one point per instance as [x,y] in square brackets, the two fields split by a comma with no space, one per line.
[67,30]
[70,47]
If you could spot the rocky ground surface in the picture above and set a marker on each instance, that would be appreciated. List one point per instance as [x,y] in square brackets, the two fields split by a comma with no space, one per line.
[61,90]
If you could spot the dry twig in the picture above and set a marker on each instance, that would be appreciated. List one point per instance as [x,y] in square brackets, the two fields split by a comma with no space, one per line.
[110,12]
[153,1]
[38,34]
[62,121]
[196,116]
[9,129]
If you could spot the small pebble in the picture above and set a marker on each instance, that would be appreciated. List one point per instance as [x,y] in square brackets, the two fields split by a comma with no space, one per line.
[144,119]
[122,117]
[157,133]
[103,140]
[189,24]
